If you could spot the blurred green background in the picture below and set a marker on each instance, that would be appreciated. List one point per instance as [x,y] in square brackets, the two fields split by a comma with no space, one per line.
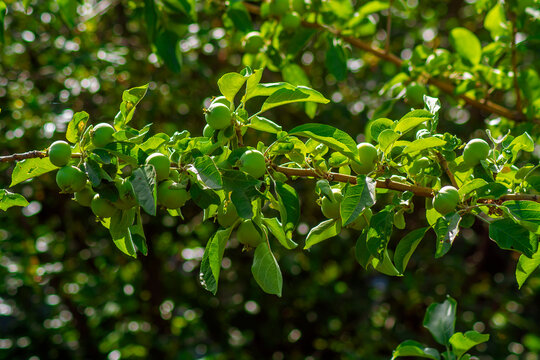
[66,292]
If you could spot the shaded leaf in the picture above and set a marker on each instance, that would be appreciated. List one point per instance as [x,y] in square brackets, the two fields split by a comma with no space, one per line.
[440,320]
[266,271]
[325,230]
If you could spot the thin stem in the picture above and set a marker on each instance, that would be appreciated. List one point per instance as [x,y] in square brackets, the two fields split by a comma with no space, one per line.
[444,85]
[449,173]
[29,155]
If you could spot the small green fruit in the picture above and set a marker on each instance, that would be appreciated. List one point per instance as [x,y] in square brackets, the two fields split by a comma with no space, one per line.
[59,153]
[70,179]
[226,216]
[85,196]
[221,100]
[418,165]
[362,221]
[446,200]
[102,207]
[170,197]
[368,158]
[475,150]
[329,208]
[102,135]
[291,21]
[218,116]
[415,94]
[208,131]
[248,234]
[253,163]
[253,43]
[161,163]
[299,6]
[279,7]
[467,220]
[126,195]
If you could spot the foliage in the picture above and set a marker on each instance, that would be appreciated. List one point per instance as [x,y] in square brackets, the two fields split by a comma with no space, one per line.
[441,67]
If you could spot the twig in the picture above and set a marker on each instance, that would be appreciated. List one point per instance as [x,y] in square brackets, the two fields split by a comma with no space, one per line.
[444,165]
[22,156]
[445,86]
[388,28]
[331,176]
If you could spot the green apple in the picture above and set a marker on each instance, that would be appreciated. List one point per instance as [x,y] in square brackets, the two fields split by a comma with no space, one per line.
[248,234]
[446,200]
[102,134]
[253,163]
[227,215]
[291,21]
[70,179]
[59,153]
[368,158]
[330,208]
[253,42]
[161,163]
[171,197]
[102,207]
[84,197]
[475,150]
[218,116]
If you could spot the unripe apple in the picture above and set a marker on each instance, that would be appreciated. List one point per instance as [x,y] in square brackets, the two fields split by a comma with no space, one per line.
[291,21]
[368,158]
[279,7]
[218,116]
[59,153]
[330,208]
[102,207]
[85,196]
[102,134]
[226,216]
[221,100]
[253,42]
[253,163]
[475,150]
[70,179]
[161,163]
[170,197]
[248,234]
[415,94]
[126,195]
[446,200]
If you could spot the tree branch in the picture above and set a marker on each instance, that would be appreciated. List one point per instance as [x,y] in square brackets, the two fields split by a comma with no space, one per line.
[444,85]
[29,155]
[331,176]
[444,165]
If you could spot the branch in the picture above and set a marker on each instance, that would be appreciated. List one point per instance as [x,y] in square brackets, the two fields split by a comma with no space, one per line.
[22,156]
[29,155]
[444,165]
[331,176]
[444,85]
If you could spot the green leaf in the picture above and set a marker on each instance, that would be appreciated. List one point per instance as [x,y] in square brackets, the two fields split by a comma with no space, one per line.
[378,126]
[76,126]
[3,11]
[203,197]
[380,229]
[9,199]
[168,49]
[470,186]
[137,233]
[336,59]
[289,206]
[29,168]
[335,139]
[263,124]
[240,17]
[207,172]
[230,83]
[385,265]
[130,100]
[119,230]
[461,343]
[143,180]
[526,266]
[150,17]
[412,119]
[414,348]
[212,258]
[440,320]
[406,246]
[495,22]
[511,236]
[446,228]
[493,190]
[357,198]
[265,270]
[252,83]
[276,229]
[238,180]
[287,96]
[466,44]
[386,140]
[522,142]
[423,144]
[242,203]
[527,213]
[325,230]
